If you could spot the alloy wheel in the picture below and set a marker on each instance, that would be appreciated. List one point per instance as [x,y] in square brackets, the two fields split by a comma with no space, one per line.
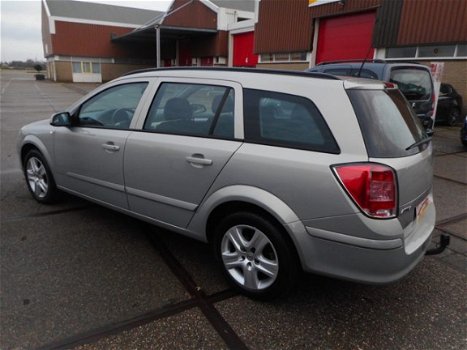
[249,257]
[37,177]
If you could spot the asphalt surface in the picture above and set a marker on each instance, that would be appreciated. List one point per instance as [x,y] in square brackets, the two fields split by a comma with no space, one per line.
[76,275]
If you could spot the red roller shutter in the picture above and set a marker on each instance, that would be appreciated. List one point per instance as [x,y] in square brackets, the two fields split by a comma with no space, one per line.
[346,37]
[243,54]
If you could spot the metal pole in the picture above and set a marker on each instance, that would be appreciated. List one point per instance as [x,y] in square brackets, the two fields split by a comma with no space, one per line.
[158,46]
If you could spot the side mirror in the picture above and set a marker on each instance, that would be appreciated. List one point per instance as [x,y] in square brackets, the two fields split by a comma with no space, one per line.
[61,119]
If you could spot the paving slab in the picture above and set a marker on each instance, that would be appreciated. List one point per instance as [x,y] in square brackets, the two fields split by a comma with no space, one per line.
[457,227]
[447,140]
[452,167]
[426,310]
[70,273]
[198,259]
[449,198]
[188,330]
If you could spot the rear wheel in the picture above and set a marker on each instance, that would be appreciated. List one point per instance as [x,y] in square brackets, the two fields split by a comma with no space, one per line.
[39,177]
[255,256]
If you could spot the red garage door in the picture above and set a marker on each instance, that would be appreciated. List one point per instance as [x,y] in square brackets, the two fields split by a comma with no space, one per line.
[243,54]
[346,37]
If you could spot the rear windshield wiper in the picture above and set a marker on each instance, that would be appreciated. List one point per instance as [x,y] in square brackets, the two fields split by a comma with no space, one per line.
[418,143]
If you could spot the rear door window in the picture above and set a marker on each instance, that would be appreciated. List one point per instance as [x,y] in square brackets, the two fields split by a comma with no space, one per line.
[388,123]
[285,120]
[192,109]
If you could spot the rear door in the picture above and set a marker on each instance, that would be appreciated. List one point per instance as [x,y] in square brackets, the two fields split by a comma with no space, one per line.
[191,131]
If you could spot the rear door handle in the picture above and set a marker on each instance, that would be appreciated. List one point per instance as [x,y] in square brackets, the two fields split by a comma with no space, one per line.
[198,160]
[111,147]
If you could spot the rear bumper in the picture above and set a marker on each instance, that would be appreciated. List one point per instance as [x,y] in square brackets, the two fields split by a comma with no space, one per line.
[375,266]
[375,261]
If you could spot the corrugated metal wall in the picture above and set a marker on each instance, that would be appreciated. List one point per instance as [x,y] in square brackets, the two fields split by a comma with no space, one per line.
[387,23]
[193,15]
[92,40]
[433,21]
[349,6]
[283,26]
[212,45]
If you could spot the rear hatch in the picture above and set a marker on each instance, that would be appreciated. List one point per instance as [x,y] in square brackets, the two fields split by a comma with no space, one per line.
[394,136]
[417,86]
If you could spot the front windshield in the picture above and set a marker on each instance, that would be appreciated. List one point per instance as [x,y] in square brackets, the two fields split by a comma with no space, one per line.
[414,83]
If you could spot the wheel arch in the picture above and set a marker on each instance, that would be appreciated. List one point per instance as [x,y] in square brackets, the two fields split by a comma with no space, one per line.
[246,198]
[33,142]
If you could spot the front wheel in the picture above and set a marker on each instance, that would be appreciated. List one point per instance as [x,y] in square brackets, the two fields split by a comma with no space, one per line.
[39,177]
[255,256]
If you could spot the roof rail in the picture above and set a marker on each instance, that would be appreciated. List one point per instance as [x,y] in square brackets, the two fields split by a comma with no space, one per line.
[352,61]
[228,69]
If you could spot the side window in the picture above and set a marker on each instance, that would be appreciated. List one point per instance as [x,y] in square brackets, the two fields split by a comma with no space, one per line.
[192,109]
[113,108]
[364,73]
[338,71]
[285,120]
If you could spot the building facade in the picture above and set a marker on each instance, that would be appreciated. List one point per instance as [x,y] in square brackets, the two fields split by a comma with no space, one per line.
[89,42]
[297,34]
[77,40]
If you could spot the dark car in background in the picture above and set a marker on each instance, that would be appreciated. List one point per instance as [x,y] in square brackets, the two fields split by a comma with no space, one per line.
[414,81]
[449,105]
[464,132]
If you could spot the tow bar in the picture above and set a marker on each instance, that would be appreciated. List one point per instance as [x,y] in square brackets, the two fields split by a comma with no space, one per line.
[444,241]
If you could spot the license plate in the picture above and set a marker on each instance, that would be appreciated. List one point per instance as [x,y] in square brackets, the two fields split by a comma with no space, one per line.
[423,206]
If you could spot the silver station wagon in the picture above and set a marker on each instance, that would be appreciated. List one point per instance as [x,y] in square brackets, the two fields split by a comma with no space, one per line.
[278,171]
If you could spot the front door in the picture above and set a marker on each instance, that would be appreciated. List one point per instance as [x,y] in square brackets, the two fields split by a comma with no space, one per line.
[89,155]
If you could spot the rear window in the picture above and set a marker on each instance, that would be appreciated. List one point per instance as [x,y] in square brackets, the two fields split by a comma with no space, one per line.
[388,123]
[414,83]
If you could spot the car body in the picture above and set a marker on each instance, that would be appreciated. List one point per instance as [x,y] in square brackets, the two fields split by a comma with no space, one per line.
[464,132]
[414,80]
[264,165]
[449,106]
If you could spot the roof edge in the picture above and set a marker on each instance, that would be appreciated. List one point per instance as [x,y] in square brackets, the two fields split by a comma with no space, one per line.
[210,5]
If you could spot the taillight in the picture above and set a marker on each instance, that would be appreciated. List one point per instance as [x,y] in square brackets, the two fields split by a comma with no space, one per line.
[371,186]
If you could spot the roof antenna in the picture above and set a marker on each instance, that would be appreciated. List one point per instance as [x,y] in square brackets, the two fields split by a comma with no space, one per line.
[364,61]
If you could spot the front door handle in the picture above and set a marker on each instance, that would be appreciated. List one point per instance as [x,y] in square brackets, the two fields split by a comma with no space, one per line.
[198,160]
[111,147]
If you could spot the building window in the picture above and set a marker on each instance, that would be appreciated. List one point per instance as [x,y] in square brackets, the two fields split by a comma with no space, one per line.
[436,51]
[430,52]
[461,50]
[401,52]
[86,67]
[284,57]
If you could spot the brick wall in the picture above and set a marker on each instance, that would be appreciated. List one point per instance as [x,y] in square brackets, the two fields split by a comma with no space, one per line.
[455,73]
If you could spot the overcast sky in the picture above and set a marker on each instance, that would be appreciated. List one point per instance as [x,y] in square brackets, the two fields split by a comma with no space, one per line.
[21,36]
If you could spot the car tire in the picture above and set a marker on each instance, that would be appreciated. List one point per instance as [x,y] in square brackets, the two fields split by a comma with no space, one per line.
[39,178]
[255,256]
[453,116]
